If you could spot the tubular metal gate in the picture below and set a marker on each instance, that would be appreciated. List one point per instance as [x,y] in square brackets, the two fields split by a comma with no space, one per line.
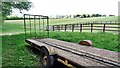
[36,26]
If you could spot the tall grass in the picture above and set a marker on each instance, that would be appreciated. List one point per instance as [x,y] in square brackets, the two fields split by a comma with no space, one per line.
[15,53]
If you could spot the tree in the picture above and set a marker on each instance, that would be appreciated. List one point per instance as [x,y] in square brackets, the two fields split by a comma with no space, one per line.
[8,6]
[93,15]
[78,15]
[96,15]
[88,15]
[111,15]
[104,15]
[84,16]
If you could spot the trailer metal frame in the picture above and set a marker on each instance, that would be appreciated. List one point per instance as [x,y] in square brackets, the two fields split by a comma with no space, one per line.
[30,20]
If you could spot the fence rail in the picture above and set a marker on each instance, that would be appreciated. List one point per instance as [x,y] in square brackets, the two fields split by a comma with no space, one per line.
[91,26]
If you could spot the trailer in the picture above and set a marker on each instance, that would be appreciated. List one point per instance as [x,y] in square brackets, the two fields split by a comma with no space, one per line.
[70,54]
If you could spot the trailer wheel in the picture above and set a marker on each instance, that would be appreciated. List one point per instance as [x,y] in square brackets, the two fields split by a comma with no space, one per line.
[46,59]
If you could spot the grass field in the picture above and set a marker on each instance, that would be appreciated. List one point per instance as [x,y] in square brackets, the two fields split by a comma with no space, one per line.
[10,26]
[81,20]
[15,52]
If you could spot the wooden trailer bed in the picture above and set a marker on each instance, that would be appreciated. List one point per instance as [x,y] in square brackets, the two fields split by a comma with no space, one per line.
[82,55]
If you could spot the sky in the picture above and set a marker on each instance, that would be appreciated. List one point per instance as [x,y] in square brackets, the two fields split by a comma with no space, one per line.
[71,7]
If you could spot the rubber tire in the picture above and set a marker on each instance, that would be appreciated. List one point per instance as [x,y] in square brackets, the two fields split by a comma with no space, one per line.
[50,59]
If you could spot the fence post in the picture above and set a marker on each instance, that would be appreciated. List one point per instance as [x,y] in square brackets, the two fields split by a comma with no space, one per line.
[35,25]
[110,22]
[72,27]
[91,27]
[104,28]
[115,22]
[58,27]
[65,27]
[53,28]
[106,22]
[25,26]
[77,24]
[80,27]
[61,27]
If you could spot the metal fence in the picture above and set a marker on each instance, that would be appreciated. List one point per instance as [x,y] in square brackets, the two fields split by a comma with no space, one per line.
[35,26]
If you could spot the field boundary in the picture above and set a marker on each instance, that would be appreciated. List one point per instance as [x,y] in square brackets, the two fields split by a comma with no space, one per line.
[106,26]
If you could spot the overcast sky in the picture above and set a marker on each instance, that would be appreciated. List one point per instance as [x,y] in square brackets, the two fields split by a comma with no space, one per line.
[67,7]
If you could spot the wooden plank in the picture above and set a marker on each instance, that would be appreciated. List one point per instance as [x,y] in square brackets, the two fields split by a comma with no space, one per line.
[111,27]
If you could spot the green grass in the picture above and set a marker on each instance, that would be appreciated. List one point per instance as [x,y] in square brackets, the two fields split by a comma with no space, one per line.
[11,26]
[81,20]
[100,40]
[15,53]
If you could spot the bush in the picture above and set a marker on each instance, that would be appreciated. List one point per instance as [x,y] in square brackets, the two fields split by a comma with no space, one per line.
[14,18]
[111,15]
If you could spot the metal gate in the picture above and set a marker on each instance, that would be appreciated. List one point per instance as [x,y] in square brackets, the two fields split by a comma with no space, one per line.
[36,26]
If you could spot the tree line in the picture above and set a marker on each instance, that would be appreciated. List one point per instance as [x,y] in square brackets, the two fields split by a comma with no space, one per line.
[88,15]
[74,16]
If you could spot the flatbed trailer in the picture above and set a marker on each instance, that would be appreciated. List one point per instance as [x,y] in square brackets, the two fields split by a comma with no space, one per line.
[71,54]
[84,56]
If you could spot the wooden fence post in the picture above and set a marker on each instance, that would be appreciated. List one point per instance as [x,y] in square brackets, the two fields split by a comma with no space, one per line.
[80,27]
[104,28]
[58,27]
[77,24]
[65,27]
[72,27]
[106,22]
[110,22]
[61,27]
[53,28]
[91,27]
[115,22]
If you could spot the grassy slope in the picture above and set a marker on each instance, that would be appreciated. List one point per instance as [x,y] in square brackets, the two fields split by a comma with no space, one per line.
[81,20]
[11,26]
